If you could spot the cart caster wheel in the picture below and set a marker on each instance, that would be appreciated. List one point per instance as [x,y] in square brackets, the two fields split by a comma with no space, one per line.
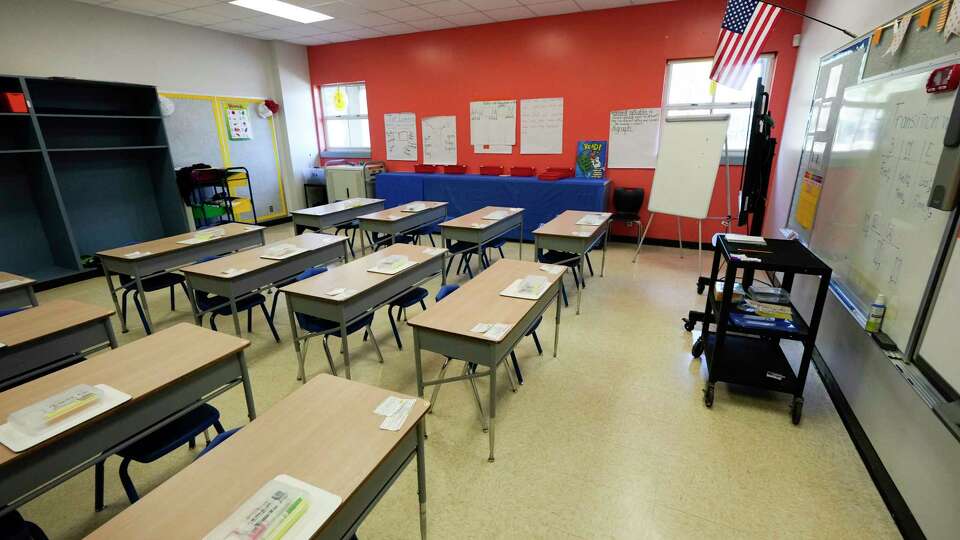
[700,287]
[688,324]
[708,394]
[697,348]
[796,410]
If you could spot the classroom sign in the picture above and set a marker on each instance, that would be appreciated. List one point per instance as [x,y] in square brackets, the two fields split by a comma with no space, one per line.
[238,123]
[591,159]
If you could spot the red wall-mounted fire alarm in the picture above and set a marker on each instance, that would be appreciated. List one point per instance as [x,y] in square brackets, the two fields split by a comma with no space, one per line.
[945,79]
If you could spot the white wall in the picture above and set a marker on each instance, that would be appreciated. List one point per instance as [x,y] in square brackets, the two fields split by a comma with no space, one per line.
[858,16]
[72,39]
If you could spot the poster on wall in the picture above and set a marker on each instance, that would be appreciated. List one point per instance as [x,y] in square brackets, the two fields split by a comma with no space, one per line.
[591,159]
[238,123]
[634,138]
[493,122]
[400,130]
[541,126]
[492,149]
[439,140]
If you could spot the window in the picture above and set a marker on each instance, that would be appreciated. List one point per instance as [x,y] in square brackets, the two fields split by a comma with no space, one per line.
[688,93]
[346,130]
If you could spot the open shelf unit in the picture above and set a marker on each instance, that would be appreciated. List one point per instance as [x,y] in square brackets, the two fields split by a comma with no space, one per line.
[86,169]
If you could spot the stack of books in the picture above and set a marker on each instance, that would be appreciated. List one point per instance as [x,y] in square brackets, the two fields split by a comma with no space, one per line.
[768,310]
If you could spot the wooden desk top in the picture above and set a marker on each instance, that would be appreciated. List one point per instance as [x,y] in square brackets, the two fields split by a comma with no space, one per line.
[138,368]
[250,260]
[396,213]
[479,301]
[566,224]
[325,434]
[168,244]
[51,317]
[354,274]
[6,276]
[339,206]
[466,221]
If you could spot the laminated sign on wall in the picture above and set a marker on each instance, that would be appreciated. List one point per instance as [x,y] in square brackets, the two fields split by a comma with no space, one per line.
[401,134]
[238,123]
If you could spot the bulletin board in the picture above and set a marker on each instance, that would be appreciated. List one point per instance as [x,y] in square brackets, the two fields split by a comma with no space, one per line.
[197,133]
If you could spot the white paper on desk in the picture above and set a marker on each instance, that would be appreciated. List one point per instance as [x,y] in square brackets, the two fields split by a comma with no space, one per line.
[582,234]
[131,255]
[496,215]
[414,207]
[552,268]
[18,441]
[497,331]
[322,505]
[434,251]
[392,265]
[395,421]
[282,251]
[2,345]
[481,328]
[252,228]
[389,406]
[478,225]
[592,219]
[194,240]
[10,283]
[230,272]
[528,288]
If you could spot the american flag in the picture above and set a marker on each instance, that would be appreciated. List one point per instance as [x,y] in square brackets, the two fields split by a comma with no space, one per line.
[742,33]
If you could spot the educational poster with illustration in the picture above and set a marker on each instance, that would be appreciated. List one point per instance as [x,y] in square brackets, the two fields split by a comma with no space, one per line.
[591,159]
[238,123]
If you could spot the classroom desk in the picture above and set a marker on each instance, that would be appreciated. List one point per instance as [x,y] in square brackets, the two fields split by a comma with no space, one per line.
[475,229]
[373,291]
[446,327]
[165,254]
[16,291]
[563,234]
[325,216]
[258,273]
[330,439]
[47,337]
[395,221]
[168,374]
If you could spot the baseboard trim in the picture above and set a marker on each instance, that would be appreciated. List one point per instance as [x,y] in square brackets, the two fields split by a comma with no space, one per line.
[896,505]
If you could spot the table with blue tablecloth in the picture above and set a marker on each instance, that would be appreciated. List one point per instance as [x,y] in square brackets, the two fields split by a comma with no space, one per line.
[541,200]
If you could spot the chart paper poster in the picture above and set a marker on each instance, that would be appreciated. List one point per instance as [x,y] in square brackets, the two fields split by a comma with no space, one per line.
[493,122]
[439,140]
[634,138]
[400,130]
[809,196]
[591,159]
[541,126]
[238,123]
[493,149]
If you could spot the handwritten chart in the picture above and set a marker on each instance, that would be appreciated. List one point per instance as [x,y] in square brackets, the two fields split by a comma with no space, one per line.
[493,122]
[541,126]
[439,140]
[401,134]
[634,138]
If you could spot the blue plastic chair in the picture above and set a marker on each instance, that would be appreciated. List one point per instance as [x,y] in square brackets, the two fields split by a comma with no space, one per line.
[216,442]
[10,311]
[152,283]
[325,328]
[206,301]
[154,446]
[408,299]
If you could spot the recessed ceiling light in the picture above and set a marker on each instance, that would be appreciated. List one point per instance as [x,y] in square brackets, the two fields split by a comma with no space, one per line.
[283,9]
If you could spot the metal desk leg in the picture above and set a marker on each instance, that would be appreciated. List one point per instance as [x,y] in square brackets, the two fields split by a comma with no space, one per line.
[520,256]
[301,375]
[492,409]
[113,295]
[603,259]
[236,316]
[247,388]
[479,257]
[363,240]
[33,296]
[422,479]
[582,279]
[192,297]
[108,326]
[556,329]
[144,303]
[346,252]
[345,346]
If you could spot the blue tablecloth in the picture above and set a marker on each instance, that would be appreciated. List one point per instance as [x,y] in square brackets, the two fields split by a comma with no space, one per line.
[541,200]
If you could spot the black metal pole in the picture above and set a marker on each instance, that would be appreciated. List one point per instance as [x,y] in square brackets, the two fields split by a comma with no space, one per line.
[804,15]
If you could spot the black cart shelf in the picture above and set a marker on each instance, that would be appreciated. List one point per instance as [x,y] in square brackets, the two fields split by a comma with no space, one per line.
[748,354]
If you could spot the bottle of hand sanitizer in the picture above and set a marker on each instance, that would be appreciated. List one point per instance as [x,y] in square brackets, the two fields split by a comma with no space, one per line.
[877,310]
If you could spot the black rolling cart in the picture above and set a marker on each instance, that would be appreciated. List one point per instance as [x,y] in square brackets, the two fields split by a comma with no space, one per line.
[747,352]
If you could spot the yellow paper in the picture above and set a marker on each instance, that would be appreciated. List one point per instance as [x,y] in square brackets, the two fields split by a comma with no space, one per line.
[809,197]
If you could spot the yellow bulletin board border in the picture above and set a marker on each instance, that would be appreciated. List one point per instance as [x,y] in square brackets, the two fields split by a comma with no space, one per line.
[218,103]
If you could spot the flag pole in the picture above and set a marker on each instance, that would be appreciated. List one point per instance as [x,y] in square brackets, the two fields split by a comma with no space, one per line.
[804,15]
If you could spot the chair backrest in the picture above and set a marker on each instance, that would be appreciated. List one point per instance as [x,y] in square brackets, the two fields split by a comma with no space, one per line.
[216,440]
[444,291]
[310,272]
[628,200]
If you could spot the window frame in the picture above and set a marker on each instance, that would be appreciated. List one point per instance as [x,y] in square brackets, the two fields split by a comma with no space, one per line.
[737,157]
[341,152]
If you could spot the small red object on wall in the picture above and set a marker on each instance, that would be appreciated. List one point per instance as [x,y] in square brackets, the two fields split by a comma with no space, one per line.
[454,169]
[13,102]
[424,169]
[522,171]
[491,170]
[945,79]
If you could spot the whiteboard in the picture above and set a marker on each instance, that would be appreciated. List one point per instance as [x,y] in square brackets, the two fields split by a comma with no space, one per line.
[192,132]
[634,138]
[259,155]
[687,164]
[400,130]
[873,225]
[541,126]
[493,122]
[939,345]
[439,140]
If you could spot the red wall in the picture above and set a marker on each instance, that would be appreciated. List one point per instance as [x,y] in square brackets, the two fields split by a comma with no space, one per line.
[597,61]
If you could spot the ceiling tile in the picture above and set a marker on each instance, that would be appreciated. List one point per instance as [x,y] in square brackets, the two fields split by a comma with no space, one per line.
[94,2]
[446,7]
[309,4]
[435,23]
[378,5]
[532,2]
[397,28]
[229,11]
[554,8]
[339,9]
[337,38]
[363,33]
[145,7]
[419,2]
[242,27]
[270,21]
[308,41]
[602,4]
[370,19]
[510,13]
[409,13]
[193,3]
[486,5]
[276,34]
[194,17]
[469,19]
[333,25]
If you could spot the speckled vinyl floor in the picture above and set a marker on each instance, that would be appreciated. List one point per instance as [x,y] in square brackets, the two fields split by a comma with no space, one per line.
[609,440]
